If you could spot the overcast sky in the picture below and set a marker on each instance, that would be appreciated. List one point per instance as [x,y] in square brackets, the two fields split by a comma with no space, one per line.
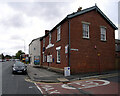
[26,20]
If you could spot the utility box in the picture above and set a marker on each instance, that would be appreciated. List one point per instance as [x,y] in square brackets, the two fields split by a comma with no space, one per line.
[66,71]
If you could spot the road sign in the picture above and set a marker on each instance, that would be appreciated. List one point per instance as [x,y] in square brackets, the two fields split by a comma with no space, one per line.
[74,49]
[66,71]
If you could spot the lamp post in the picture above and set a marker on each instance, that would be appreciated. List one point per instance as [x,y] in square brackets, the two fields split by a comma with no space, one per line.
[24,44]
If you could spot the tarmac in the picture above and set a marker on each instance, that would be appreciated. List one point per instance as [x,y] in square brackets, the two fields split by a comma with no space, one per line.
[47,76]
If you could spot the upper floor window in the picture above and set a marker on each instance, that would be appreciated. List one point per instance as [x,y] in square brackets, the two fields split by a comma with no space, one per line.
[85,30]
[49,38]
[43,42]
[103,33]
[58,33]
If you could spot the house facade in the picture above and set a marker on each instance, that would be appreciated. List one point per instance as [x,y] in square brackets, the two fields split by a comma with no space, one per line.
[83,41]
[34,52]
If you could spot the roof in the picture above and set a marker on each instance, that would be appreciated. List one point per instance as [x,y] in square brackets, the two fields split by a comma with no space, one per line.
[34,40]
[83,12]
[90,9]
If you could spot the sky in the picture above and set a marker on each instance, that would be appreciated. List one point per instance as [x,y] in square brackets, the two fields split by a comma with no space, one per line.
[21,21]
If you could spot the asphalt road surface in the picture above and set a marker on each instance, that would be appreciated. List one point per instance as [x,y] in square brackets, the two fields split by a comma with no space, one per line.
[15,84]
[106,84]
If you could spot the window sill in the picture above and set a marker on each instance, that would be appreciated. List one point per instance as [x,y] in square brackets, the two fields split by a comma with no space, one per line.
[103,40]
[58,63]
[58,40]
[86,38]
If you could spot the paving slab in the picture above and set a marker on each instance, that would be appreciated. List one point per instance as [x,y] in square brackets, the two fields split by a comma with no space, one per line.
[45,75]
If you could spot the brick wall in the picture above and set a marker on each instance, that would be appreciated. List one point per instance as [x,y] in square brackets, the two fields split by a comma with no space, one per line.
[52,51]
[86,59]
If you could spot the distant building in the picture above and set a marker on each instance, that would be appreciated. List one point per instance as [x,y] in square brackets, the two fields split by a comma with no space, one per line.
[34,52]
[84,41]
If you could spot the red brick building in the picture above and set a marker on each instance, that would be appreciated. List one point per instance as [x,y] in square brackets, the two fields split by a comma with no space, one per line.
[84,41]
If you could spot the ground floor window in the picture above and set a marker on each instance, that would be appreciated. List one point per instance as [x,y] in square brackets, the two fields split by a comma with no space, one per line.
[58,56]
[43,57]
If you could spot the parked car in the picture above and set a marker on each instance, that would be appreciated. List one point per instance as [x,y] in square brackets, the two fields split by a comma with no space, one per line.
[0,60]
[19,67]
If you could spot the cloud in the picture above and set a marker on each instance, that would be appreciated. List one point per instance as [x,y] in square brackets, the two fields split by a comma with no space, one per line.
[47,11]
[15,37]
[28,20]
[15,21]
[18,47]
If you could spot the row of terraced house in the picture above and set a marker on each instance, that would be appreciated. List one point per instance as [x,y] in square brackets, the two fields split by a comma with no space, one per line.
[83,41]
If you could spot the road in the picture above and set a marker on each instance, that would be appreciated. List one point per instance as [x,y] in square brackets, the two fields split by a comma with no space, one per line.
[15,84]
[18,84]
[107,84]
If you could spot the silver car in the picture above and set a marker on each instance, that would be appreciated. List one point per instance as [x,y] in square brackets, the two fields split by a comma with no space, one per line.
[19,67]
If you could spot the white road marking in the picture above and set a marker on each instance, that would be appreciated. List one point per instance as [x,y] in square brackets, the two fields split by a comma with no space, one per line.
[55,91]
[86,84]
[49,89]
[39,88]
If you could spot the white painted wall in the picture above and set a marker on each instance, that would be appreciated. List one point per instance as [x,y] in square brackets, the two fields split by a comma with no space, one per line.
[34,49]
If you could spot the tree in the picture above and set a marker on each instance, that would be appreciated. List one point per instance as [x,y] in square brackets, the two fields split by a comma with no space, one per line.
[3,57]
[8,57]
[19,53]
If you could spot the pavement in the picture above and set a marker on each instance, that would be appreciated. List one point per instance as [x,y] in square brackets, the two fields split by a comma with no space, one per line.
[47,76]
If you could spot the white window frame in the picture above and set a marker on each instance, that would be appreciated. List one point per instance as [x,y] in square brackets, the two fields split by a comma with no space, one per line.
[50,37]
[58,57]
[58,33]
[103,33]
[85,27]
[43,57]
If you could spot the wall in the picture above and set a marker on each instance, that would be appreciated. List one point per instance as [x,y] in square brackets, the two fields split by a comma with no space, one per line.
[34,49]
[86,59]
[52,51]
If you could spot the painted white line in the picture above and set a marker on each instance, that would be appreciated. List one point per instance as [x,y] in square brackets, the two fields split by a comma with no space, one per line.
[86,84]
[39,88]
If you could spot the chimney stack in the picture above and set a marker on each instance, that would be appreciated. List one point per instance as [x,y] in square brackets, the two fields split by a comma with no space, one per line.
[46,32]
[79,9]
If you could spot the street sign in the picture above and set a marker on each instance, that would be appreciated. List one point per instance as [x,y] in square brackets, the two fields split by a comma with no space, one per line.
[74,49]
[66,71]
[49,58]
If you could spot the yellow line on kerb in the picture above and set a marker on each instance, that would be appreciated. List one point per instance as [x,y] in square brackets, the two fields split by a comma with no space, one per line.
[101,76]
[28,80]
[109,75]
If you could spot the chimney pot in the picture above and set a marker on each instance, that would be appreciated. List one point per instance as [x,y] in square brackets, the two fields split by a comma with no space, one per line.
[79,9]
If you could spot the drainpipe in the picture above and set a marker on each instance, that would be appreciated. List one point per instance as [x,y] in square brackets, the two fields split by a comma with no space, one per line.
[69,46]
